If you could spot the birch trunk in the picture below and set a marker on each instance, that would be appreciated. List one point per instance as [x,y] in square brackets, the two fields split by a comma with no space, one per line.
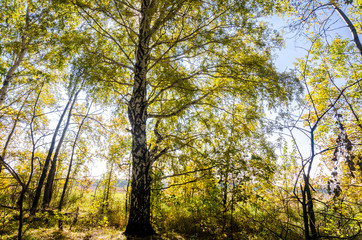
[139,223]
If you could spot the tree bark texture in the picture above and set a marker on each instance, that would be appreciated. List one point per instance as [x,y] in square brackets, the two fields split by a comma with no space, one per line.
[139,223]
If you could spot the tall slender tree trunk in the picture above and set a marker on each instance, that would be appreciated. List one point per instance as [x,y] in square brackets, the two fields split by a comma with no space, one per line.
[305,215]
[47,162]
[48,189]
[21,213]
[310,209]
[3,153]
[107,190]
[310,231]
[10,74]
[25,187]
[224,201]
[62,197]
[139,223]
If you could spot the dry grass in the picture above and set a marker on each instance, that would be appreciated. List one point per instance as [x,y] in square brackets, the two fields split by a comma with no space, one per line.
[92,234]
[54,234]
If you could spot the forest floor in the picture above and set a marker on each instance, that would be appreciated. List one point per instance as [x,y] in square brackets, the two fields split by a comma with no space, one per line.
[55,234]
[91,234]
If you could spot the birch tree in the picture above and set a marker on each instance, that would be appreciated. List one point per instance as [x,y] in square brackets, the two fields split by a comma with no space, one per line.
[164,59]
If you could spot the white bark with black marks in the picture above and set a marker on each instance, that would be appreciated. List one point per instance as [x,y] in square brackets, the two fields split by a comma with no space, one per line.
[140,204]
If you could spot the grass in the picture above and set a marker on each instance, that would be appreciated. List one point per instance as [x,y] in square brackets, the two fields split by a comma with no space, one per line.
[55,234]
[92,234]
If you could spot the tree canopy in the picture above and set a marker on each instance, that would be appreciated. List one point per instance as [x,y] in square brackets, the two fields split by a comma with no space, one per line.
[183,101]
